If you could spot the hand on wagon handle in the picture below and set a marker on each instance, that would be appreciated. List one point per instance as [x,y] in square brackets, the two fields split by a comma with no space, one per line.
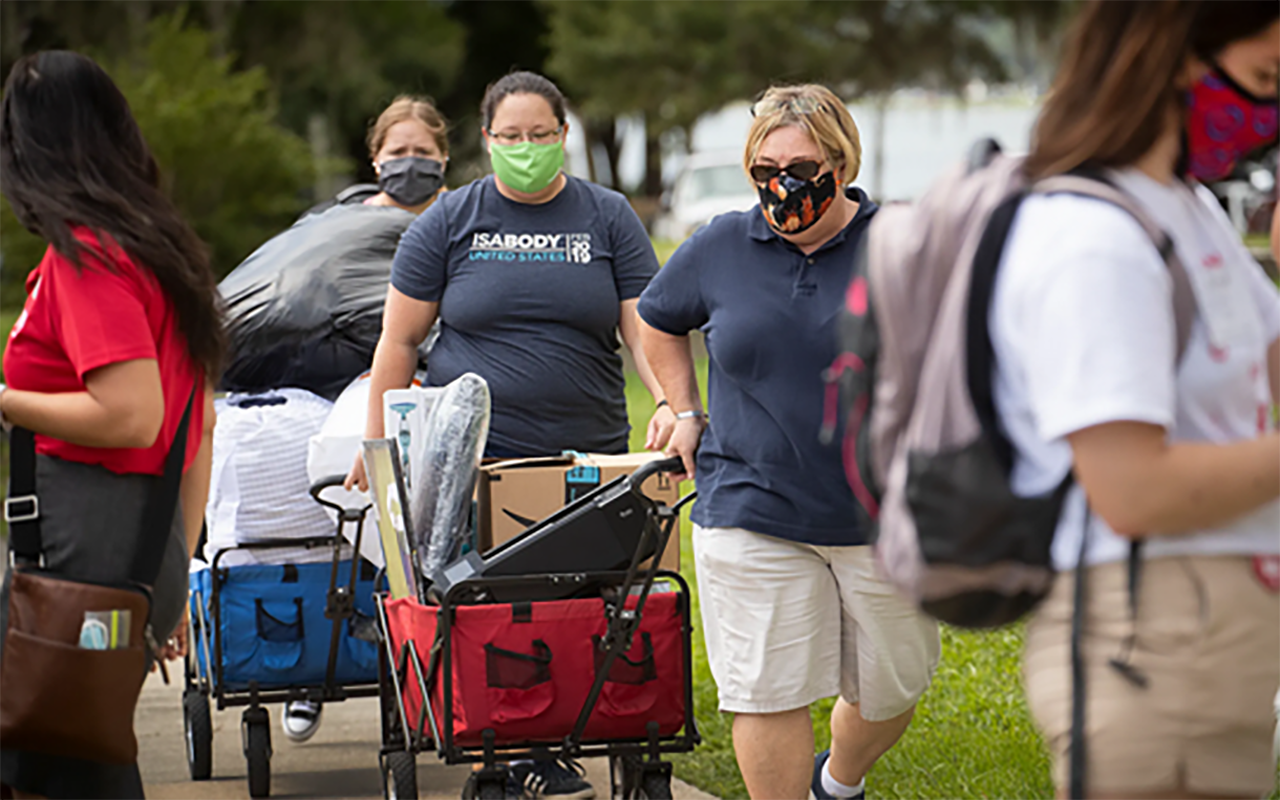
[356,477]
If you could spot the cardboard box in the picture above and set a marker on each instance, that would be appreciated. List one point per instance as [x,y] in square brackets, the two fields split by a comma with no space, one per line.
[514,494]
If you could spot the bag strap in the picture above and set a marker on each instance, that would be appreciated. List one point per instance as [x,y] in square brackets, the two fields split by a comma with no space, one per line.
[1078,752]
[22,507]
[157,515]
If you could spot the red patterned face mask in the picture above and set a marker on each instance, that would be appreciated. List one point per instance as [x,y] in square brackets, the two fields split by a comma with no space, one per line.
[1225,123]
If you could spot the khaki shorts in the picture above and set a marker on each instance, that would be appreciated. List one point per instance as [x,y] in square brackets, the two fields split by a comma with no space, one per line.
[1208,638]
[787,624]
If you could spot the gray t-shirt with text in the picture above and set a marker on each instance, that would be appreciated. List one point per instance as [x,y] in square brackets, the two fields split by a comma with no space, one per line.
[529,300]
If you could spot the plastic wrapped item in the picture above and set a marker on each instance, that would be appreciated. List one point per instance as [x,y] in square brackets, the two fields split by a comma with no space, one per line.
[305,308]
[405,414]
[333,450]
[445,478]
[259,490]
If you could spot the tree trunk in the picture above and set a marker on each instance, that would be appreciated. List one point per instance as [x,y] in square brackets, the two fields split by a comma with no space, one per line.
[590,145]
[222,17]
[612,148]
[321,151]
[12,33]
[652,185]
[881,104]
[604,134]
[137,13]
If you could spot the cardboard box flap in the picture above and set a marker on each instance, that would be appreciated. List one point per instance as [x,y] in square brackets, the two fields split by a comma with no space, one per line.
[621,461]
[533,461]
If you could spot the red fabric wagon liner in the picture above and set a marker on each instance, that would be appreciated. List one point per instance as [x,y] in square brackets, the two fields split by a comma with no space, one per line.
[524,670]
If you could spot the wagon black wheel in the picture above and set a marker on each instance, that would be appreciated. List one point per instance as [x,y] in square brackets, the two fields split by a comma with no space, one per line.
[624,776]
[400,776]
[655,786]
[491,790]
[198,726]
[258,755]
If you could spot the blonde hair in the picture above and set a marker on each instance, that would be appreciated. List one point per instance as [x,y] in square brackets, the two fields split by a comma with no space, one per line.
[817,110]
[407,107]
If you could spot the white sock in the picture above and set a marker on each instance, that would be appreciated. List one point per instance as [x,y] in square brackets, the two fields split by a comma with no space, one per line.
[835,788]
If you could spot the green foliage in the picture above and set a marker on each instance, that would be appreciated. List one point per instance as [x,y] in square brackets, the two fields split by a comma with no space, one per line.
[237,176]
[20,251]
[697,56]
[345,61]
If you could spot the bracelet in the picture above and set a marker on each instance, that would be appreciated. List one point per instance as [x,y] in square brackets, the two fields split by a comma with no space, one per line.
[691,414]
[660,404]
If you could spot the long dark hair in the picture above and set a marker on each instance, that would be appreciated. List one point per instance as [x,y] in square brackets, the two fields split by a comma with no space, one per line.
[71,154]
[1120,63]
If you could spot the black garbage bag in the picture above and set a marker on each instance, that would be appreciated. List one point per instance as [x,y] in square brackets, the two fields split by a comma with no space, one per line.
[305,308]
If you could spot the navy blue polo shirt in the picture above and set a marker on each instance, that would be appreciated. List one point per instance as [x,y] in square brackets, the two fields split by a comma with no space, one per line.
[769,315]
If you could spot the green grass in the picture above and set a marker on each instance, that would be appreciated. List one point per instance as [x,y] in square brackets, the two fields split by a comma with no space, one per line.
[972,735]
[664,248]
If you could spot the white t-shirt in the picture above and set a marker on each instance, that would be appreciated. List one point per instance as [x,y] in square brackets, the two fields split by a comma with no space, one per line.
[1083,331]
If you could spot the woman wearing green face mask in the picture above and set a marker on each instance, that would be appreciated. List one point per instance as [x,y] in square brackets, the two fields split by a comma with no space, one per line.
[534,276]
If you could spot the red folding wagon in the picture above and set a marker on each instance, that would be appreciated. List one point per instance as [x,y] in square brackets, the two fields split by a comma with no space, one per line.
[507,660]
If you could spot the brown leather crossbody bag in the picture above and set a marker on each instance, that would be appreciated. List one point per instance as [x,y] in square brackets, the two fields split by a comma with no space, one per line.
[57,696]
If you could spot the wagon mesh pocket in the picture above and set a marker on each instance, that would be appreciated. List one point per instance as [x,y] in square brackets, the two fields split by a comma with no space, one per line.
[624,670]
[507,669]
[273,629]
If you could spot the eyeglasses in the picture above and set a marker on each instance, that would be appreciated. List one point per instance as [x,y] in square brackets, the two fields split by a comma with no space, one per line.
[537,137]
[800,170]
[799,104]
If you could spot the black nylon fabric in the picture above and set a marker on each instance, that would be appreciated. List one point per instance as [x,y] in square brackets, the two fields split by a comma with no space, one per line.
[305,308]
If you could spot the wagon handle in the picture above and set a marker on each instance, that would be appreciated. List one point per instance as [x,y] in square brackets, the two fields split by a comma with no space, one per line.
[344,514]
[645,470]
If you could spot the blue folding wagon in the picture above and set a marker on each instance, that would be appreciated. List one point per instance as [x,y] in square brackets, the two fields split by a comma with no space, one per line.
[278,633]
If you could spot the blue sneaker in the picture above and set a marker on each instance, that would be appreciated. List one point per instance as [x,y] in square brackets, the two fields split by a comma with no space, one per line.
[816,790]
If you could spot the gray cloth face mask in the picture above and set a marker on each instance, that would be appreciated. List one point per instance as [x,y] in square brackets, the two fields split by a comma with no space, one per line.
[412,180]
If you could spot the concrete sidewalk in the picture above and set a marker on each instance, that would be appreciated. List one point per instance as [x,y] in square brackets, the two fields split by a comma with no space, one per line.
[340,761]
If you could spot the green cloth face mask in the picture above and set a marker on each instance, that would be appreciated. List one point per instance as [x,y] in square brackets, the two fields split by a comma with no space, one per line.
[527,167]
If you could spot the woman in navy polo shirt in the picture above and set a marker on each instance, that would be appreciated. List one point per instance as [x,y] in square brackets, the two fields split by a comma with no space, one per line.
[792,607]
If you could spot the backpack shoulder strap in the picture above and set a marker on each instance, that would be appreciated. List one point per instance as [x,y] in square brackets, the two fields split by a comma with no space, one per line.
[1097,187]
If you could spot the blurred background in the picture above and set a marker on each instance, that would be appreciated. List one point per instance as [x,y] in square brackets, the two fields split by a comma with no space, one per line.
[256,109]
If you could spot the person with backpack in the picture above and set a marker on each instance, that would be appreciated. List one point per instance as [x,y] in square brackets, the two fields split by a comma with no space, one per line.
[793,608]
[110,361]
[1172,446]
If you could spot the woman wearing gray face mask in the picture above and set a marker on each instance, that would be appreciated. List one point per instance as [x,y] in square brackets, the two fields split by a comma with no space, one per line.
[409,148]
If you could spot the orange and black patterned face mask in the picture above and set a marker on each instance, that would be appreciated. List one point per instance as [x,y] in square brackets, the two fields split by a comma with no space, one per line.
[791,205]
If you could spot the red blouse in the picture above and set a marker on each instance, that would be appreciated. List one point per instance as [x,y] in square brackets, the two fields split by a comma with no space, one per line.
[76,320]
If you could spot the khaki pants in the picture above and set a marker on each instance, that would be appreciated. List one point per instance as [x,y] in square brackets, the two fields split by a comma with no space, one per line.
[1208,640]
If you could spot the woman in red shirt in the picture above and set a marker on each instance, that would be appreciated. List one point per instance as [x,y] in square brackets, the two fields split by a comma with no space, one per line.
[120,330]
